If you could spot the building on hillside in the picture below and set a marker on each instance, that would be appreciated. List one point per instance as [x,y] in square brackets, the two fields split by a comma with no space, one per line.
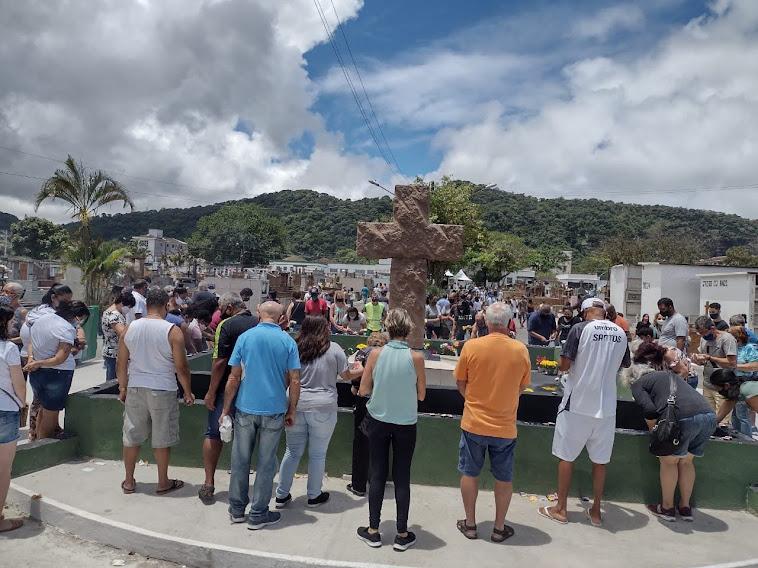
[636,289]
[159,249]
[525,276]
[377,273]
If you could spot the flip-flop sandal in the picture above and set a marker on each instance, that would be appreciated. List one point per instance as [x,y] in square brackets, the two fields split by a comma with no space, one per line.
[206,494]
[14,524]
[501,535]
[545,512]
[128,490]
[589,518]
[468,531]
[175,484]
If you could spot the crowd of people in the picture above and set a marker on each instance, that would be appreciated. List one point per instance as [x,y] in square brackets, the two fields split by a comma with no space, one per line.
[266,383]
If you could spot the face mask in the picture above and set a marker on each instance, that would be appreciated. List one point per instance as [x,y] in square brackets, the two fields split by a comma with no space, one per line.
[659,321]
[709,337]
[714,315]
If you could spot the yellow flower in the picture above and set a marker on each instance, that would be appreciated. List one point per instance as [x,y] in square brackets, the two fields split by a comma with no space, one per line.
[361,346]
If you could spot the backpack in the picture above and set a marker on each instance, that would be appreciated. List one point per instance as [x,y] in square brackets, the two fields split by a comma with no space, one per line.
[666,434]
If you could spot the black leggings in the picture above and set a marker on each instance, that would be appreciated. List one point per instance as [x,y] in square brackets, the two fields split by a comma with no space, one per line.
[381,436]
[360,446]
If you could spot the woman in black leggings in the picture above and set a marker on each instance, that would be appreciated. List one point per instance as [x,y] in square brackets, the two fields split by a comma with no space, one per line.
[394,378]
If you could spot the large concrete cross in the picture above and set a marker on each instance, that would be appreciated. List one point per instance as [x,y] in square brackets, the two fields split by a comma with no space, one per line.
[411,241]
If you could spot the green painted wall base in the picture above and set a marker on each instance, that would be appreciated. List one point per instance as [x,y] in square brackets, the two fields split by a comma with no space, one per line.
[752,498]
[44,453]
[632,474]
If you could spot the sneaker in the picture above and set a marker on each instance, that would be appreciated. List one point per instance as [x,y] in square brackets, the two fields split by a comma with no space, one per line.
[403,543]
[237,519]
[685,513]
[282,502]
[665,514]
[271,518]
[320,500]
[354,491]
[374,540]
[720,432]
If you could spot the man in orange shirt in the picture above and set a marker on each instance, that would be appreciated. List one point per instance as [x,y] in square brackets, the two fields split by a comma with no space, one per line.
[491,374]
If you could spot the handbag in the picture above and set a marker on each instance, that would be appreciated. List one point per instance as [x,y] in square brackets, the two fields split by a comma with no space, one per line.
[23,411]
[666,434]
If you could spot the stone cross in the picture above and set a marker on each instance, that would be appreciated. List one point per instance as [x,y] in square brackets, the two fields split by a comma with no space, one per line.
[411,241]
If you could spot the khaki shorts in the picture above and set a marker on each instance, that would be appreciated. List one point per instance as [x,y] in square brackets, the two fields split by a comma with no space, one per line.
[153,413]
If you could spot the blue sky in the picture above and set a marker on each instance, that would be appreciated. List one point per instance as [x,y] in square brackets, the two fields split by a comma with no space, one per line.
[397,32]
[202,101]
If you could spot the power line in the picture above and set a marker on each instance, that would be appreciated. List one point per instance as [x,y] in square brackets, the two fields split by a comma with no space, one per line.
[138,178]
[350,85]
[341,27]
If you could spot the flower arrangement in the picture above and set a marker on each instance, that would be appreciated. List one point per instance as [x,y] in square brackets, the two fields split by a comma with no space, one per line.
[448,349]
[361,346]
[548,366]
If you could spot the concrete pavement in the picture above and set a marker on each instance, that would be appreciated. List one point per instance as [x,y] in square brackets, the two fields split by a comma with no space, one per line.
[84,497]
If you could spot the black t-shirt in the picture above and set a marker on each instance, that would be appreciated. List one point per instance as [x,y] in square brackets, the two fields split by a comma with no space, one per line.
[651,391]
[231,329]
[721,325]
[565,324]
[298,312]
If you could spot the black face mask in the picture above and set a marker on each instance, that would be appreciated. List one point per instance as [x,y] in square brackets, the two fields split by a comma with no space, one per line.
[714,315]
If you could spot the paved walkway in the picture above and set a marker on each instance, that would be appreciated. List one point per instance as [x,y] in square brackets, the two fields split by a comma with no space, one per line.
[90,491]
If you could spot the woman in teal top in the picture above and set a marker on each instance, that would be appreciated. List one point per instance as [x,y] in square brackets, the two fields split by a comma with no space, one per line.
[394,378]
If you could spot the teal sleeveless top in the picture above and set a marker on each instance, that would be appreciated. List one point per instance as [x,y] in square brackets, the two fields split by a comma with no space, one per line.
[394,398]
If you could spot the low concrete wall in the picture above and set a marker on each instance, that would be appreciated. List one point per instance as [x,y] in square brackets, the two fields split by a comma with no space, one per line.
[724,474]
[41,454]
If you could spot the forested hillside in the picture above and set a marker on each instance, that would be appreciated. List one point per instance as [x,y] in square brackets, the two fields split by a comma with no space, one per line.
[318,225]
[6,220]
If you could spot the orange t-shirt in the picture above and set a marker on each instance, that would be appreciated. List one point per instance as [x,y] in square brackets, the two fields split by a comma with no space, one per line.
[495,368]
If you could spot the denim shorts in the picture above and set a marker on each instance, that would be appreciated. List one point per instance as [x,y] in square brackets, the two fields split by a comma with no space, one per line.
[695,432]
[211,431]
[51,387]
[9,420]
[473,448]
[110,368]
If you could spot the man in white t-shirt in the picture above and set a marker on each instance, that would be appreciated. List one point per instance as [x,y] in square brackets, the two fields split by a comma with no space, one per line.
[594,351]
[140,309]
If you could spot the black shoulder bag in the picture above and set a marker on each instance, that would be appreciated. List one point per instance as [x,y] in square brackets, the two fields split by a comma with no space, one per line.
[665,435]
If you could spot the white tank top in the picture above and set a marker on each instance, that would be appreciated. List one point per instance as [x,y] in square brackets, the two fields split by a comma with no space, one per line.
[151,361]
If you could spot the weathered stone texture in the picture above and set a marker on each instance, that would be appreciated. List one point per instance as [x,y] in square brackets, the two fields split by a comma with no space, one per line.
[411,242]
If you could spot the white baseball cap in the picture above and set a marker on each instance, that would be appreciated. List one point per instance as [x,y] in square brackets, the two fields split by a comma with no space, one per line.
[592,303]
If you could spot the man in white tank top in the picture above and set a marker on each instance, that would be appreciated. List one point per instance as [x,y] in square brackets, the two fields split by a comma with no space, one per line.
[151,356]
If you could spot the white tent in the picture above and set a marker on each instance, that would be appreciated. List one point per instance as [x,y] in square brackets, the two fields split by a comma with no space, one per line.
[461,276]
[448,273]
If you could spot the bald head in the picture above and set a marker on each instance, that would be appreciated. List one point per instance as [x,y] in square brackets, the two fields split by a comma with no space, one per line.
[270,311]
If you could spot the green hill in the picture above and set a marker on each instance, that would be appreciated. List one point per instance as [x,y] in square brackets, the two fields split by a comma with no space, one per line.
[6,220]
[318,224]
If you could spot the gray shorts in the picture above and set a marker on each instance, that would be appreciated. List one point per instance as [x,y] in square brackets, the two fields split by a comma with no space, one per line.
[153,413]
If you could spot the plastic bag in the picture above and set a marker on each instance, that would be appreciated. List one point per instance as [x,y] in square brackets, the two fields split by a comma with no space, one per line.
[226,430]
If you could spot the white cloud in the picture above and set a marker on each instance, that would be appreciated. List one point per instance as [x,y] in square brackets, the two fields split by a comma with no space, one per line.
[154,89]
[682,116]
[609,20]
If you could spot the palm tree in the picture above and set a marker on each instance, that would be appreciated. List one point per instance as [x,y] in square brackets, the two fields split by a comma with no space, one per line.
[104,262]
[85,192]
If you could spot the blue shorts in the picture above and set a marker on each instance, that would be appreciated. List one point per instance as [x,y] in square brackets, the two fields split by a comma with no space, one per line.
[211,431]
[9,420]
[51,387]
[473,448]
[695,433]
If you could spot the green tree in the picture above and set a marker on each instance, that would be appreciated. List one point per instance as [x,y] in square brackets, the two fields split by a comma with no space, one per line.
[500,255]
[38,238]
[240,233]
[103,261]
[546,259]
[741,256]
[350,256]
[85,192]
[594,263]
